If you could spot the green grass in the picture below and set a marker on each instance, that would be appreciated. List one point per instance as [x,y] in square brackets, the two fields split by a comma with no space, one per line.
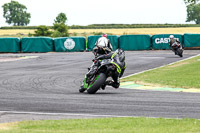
[107,125]
[185,74]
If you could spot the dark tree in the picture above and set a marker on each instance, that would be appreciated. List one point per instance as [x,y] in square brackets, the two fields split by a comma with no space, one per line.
[193,13]
[60,28]
[16,14]
[61,18]
[191,1]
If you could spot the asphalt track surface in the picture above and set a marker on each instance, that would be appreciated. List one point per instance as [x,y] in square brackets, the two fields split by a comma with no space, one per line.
[47,88]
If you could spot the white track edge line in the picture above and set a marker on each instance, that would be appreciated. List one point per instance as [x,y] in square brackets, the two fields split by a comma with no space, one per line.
[64,114]
[86,115]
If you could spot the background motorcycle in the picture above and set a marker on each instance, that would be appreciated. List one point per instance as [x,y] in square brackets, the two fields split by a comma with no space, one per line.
[177,49]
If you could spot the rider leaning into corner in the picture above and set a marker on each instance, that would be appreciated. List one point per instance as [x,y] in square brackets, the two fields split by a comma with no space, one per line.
[172,41]
[103,50]
[121,63]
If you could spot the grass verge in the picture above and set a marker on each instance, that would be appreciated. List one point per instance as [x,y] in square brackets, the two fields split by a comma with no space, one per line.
[184,74]
[106,125]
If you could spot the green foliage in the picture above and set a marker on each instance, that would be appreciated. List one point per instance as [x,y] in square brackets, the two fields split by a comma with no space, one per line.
[98,33]
[42,31]
[61,18]
[191,1]
[15,13]
[120,26]
[111,26]
[74,34]
[193,13]
[60,30]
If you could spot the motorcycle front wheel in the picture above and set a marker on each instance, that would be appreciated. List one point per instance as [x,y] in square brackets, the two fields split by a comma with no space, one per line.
[97,83]
[180,52]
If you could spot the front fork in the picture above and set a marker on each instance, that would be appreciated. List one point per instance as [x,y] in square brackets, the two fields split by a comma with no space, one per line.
[92,71]
[85,84]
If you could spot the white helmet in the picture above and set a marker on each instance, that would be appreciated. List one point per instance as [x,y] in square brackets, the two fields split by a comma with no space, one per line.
[102,42]
[171,36]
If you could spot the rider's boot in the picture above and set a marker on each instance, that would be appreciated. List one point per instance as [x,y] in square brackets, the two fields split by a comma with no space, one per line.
[116,82]
[109,82]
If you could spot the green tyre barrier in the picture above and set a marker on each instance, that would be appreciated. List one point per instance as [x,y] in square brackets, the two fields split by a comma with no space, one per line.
[70,44]
[9,45]
[37,44]
[135,42]
[92,40]
[192,40]
[161,41]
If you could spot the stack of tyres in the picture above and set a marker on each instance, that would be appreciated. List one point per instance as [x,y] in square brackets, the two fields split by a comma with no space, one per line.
[135,42]
[92,40]
[10,45]
[191,40]
[36,44]
[70,44]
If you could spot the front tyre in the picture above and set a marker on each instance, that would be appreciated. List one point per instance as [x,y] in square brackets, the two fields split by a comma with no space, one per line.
[180,52]
[98,82]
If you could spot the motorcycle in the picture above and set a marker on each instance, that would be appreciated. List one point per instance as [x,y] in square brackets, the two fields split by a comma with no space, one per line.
[101,70]
[177,49]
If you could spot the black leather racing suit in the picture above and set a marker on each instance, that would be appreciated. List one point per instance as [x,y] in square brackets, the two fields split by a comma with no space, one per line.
[116,75]
[172,41]
[97,50]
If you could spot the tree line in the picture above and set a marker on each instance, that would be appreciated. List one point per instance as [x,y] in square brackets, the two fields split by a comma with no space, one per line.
[110,26]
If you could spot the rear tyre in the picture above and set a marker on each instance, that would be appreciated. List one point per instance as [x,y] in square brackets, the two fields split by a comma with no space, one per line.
[92,89]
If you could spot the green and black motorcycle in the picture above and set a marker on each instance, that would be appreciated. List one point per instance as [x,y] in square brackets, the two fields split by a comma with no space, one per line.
[101,69]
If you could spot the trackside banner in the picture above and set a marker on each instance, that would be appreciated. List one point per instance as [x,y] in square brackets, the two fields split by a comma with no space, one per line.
[161,41]
[135,42]
[10,45]
[192,40]
[70,44]
[37,44]
[92,40]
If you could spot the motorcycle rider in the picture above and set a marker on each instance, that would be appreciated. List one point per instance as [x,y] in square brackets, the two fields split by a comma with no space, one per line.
[120,69]
[102,46]
[172,42]
[102,50]
[118,61]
